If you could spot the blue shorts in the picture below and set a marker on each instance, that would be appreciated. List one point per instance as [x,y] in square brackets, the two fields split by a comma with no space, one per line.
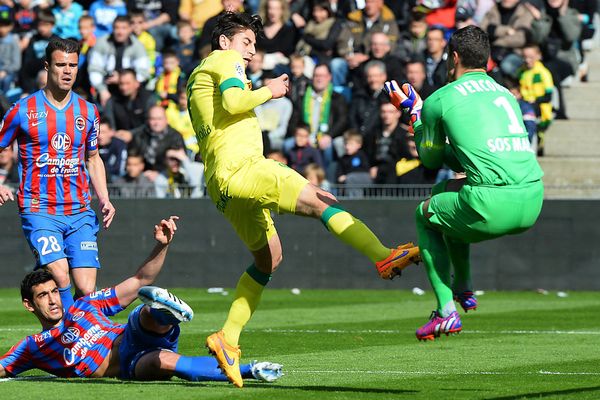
[137,342]
[52,237]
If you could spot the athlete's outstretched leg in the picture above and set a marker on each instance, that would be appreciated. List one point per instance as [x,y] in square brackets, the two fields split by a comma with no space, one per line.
[317,203]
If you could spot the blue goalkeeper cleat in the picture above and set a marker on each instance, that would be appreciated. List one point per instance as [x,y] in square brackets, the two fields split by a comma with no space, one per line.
[165,307]
[266,371]
[438,325]
[467,300]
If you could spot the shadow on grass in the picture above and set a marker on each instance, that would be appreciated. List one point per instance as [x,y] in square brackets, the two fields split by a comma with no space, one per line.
[254,385]
[538,395]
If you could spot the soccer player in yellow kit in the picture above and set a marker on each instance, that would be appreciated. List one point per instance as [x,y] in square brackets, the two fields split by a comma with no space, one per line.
[246,187]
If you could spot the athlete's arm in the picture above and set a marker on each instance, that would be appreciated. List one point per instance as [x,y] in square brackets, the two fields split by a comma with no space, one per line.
[429,134]
[95,166]
[236,100]
[146,274]
[6,194]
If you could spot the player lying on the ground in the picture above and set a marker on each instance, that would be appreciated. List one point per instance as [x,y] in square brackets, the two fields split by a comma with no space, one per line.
[83,342]
[486,138]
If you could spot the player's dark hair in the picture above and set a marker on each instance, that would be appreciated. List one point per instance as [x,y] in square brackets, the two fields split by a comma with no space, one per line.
[59,44]
[232,23]
[472,45]
[32,279]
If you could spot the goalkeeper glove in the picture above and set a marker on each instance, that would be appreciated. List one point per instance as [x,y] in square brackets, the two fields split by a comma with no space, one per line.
[405,97]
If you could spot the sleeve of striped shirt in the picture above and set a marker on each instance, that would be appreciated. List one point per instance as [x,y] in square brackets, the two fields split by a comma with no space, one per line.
[92,138]
[17,359]
[9,127]
[105,300]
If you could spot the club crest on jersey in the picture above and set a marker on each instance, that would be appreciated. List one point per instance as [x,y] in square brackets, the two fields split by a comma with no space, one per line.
[71,335]
[61,141]
[80,123]
[77,316]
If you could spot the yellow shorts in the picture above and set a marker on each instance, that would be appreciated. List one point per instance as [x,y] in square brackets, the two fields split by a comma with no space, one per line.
[247,197]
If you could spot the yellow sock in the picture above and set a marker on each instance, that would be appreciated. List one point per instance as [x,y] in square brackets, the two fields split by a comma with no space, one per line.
[354,232]
[247,296]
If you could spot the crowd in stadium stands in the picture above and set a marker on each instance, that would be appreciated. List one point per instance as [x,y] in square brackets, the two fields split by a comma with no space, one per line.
[336,126]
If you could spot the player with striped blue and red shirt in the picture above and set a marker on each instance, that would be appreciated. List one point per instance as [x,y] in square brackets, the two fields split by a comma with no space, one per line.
[57,136]
[83,342]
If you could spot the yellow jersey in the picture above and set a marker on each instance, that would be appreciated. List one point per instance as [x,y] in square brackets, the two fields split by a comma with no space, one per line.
[227,140]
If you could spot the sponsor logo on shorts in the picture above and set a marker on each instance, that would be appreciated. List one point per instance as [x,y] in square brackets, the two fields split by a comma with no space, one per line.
[71,335]
[89,246]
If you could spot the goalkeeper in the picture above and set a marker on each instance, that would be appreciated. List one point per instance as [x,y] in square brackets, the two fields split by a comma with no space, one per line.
[474,125]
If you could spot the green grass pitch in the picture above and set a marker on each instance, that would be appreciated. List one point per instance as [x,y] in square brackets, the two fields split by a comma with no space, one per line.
[349,344]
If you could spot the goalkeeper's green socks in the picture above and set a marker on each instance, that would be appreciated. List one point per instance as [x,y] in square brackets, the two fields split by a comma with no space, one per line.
[354,232]
[460,255]
[247,296]
[437,263]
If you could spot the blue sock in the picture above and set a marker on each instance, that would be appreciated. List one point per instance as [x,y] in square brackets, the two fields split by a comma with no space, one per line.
[66,297]
[204,369]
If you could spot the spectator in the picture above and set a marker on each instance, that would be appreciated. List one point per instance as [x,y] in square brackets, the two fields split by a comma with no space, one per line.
[536,88]
[409,169]
[170,79]
[9,171]
[380,50]
[508,25]
[135,184]
[179,119]
[202,43]
[354,40]
[273,118]
[320,33]
[315,175]
[556,29]
[364,109]
[255,71]
[160,17]
[104,13]
[298,80]
[25,14]
[303,153]
[113,151]
[128,109]
[87,42]
[279,39]
[184,47]
[465,16]
[138,28]
[154,138]
[435,58]
[586,10]
[416,75]
[325,111]
[198,13]
[115,52]
[181,177]
[413,43]
[10,53]
[353,168]
[67,14]
[383,145]
[34,55]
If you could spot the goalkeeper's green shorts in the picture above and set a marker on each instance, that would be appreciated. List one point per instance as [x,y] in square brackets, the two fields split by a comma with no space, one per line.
[477,213]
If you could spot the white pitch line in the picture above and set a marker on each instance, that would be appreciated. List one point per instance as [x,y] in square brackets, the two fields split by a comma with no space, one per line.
[378,331]
[362,372]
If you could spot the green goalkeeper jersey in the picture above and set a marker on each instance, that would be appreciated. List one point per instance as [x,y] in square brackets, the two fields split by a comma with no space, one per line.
[475,125]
